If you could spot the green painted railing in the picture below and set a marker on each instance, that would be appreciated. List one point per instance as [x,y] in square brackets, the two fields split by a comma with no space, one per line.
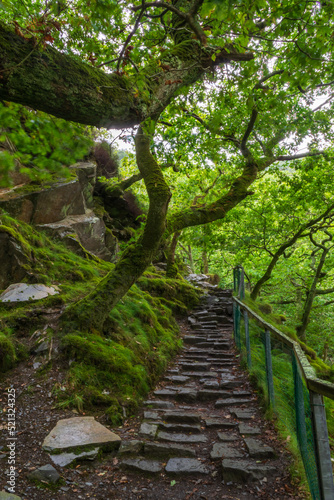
[293,390]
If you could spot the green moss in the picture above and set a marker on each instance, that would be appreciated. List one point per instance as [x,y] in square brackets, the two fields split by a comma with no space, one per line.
[323,370]
[7,352]
[265,308]
[171,289]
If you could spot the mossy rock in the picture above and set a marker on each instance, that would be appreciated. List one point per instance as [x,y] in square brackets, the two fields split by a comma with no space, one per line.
[265,308]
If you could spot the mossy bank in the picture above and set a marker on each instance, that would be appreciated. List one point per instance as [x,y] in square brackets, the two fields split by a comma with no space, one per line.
[108,370]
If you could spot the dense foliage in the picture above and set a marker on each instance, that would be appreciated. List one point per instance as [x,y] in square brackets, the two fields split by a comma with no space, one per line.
[234,103]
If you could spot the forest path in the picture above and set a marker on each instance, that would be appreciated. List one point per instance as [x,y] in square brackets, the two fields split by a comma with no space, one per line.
[202,429]
[200,435]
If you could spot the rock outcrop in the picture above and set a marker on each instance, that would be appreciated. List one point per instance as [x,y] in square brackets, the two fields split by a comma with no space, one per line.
[65,211]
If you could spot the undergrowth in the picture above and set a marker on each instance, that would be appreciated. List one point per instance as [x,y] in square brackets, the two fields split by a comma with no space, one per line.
[109,370]
[283,413]
[323,370]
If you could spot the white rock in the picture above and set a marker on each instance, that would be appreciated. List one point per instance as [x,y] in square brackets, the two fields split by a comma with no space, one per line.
[21,292]
[79,432]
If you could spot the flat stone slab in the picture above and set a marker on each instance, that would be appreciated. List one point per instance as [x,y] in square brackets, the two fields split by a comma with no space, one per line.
[182,438]
[79,432]
[243,414]
[64,459]
[8,496]
[198,367]
[151,415]
[182,417]
[174,427]
[241,394]
[185,466]
[141,465]
[178,379]
[248,429]
[224,450]
[211,384]
[165,393]
[201,374]
[209,395]
[21,292]
[230,384]
[148,430]
[243,471]
[258,449]
[192,339]
[231,401]
[46,473]
[159,405]
[227,436]
[134,446]
[186,394]
[220,423]
[168,450]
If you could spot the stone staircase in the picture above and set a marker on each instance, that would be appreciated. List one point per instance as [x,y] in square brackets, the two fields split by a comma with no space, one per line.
[203,419]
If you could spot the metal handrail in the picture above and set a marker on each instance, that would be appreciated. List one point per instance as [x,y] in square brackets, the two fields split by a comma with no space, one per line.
[317,388]
[313,383]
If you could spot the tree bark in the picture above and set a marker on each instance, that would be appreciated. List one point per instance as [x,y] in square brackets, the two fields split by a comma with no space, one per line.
[92,311]
[64,86]
[311,293]
[205,263]
[172,269]
[217,210]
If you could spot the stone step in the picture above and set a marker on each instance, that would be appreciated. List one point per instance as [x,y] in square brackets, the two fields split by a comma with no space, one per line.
[231,402]
[192,339]
[220,450]
[243,471]
[219,423]
[177,379]
[207,318]
[165,393]
[186,467]
[182,417]
[159,405]
[209,395]
[243,414]
[163,451]
[202,374]
[246,429]
[141,465]
[184,428]
[212,353]
[221,345]
[151,415]
[181,438]
[198,367]
[148,430]
[258,449]
[192,355]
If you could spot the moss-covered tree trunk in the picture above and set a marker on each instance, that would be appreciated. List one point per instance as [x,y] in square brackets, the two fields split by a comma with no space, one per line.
[172,269]
[57,83]
[92,311]
[311,293]
[281,250]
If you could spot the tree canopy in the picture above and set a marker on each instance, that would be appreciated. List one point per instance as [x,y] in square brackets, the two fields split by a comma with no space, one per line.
[224,93]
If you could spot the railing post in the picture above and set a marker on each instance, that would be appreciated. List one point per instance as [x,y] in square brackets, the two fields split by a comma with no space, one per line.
[269,368]
[248,347]
[324,464]
[235,279]
[242,284]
